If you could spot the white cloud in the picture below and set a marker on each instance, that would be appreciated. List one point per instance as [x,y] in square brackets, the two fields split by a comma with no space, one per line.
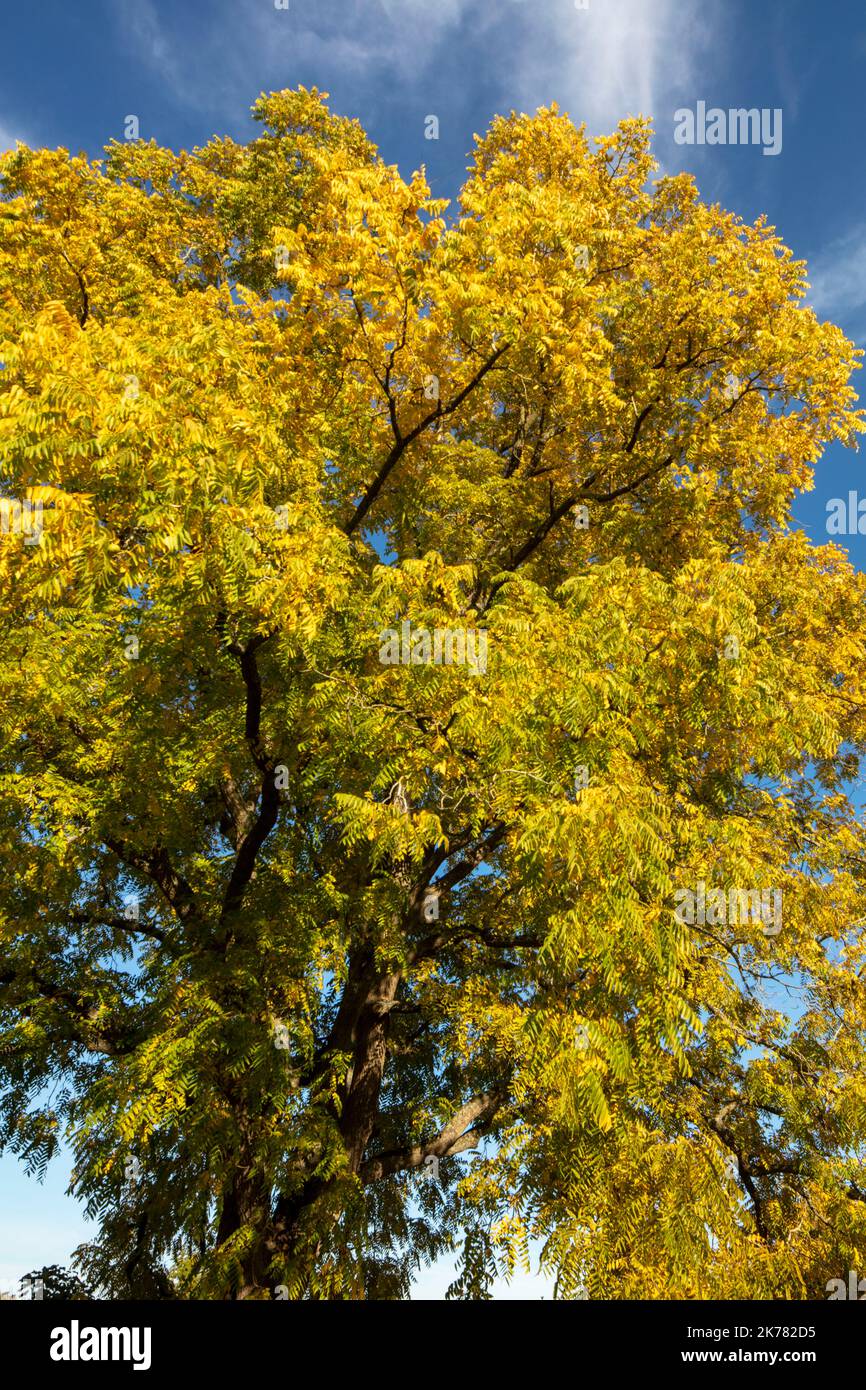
[618,58]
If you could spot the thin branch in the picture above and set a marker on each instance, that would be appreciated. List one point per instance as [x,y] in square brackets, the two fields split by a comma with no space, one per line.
[158,868]
[89,919]
[404,440]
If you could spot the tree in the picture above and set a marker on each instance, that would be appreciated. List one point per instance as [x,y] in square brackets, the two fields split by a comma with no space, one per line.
[54,1283]
[427,741]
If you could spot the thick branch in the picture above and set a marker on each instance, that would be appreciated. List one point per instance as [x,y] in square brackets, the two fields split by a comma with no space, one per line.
[462,1132]
[269,798]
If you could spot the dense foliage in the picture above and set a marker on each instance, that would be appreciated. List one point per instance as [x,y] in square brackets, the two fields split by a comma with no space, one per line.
[326,949]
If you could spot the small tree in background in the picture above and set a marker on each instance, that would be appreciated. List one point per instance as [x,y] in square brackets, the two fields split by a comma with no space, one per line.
[54,1283]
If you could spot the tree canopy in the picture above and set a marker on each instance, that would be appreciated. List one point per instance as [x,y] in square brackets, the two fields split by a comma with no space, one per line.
[327,956]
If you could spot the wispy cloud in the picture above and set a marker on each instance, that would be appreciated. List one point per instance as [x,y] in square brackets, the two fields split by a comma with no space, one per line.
[616,58]
[837,276]
[249,45]
[156,46]
[8,138]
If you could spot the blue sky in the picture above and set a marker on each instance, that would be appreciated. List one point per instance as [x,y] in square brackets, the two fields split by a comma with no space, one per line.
[70,74]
